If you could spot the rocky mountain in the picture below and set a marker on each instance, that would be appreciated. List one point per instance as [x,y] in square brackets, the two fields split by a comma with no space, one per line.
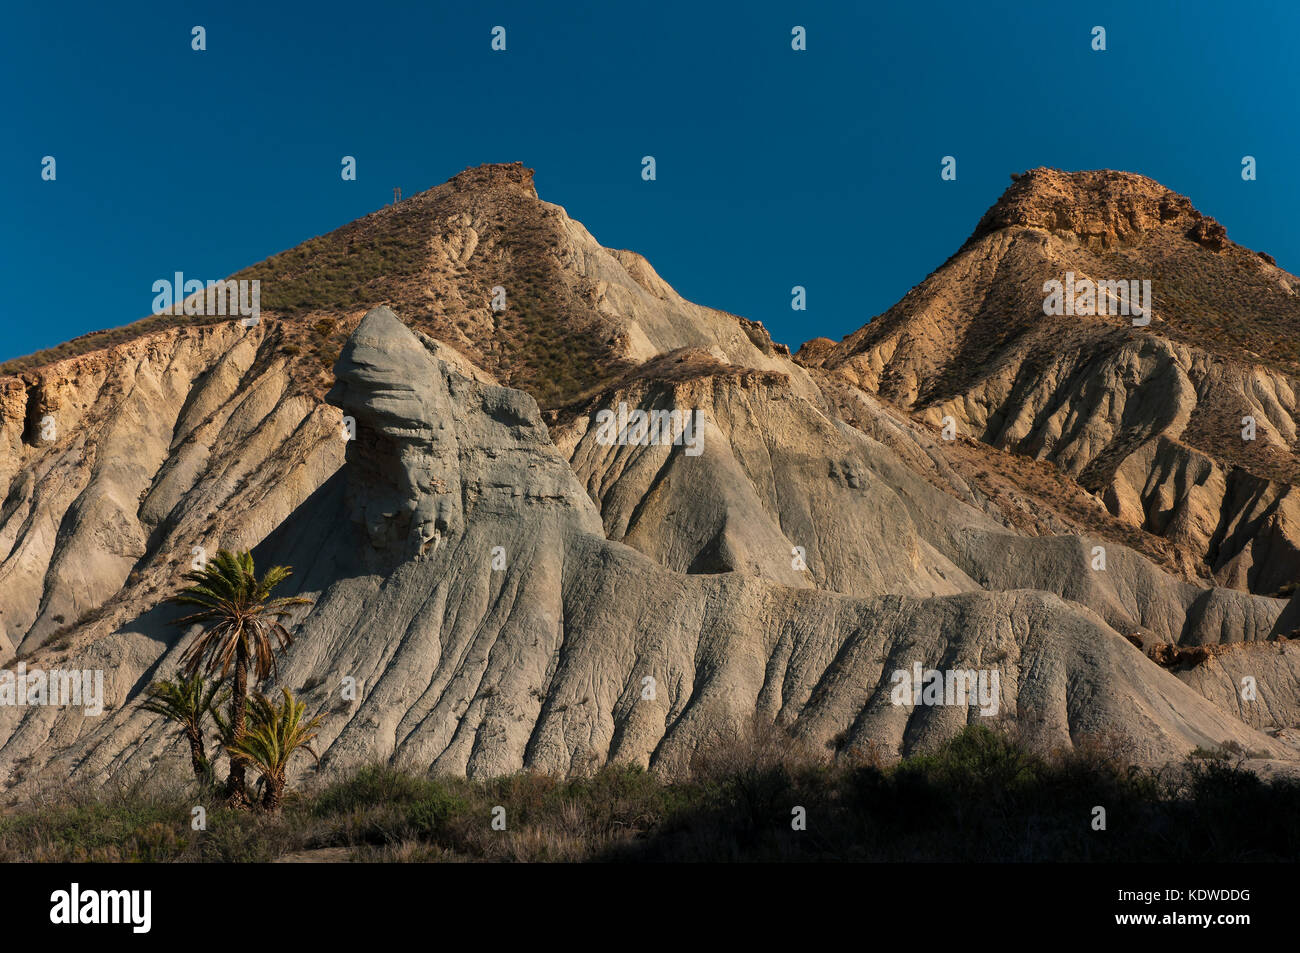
[1149,419]
[604,523]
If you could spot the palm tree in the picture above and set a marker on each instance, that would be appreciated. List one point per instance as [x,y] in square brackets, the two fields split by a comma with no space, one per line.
[185,701]
[241,620]
[274,734]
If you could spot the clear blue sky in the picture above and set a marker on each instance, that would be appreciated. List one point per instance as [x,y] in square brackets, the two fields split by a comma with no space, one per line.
[775,167]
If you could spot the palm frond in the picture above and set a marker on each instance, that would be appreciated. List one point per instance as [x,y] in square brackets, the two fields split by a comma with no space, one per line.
[239,614]
[275,732]
[185,700]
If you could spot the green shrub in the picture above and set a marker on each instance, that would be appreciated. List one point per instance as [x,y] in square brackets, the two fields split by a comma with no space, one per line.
[371,785]
[431,816]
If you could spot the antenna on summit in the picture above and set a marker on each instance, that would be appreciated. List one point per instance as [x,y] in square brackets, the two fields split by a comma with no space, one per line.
[397,195]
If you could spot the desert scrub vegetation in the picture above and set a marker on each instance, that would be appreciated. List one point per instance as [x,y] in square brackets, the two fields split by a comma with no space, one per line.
[352,267]
[981,796]
[1225,301]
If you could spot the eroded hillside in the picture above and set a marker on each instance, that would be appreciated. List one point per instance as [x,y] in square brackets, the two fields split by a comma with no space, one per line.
[1148,418]
[501,579]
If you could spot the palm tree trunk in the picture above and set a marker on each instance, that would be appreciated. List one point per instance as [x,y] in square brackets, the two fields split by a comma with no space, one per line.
[235,790]
[274,791]
[198,757]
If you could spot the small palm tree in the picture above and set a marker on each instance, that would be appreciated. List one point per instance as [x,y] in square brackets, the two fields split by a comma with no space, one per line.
[242,626]
[185,701]
[274,733]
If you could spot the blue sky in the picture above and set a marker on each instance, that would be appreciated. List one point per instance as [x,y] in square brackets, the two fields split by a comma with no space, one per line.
[775,168]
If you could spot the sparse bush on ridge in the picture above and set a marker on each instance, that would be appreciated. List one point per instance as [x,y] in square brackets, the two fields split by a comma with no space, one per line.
[982,796]
[557,341]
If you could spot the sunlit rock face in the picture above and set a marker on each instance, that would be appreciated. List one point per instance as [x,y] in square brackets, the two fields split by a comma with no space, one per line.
[402,464]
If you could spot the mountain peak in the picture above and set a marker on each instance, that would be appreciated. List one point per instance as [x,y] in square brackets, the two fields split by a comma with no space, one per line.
[1103,206]
[495,175]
